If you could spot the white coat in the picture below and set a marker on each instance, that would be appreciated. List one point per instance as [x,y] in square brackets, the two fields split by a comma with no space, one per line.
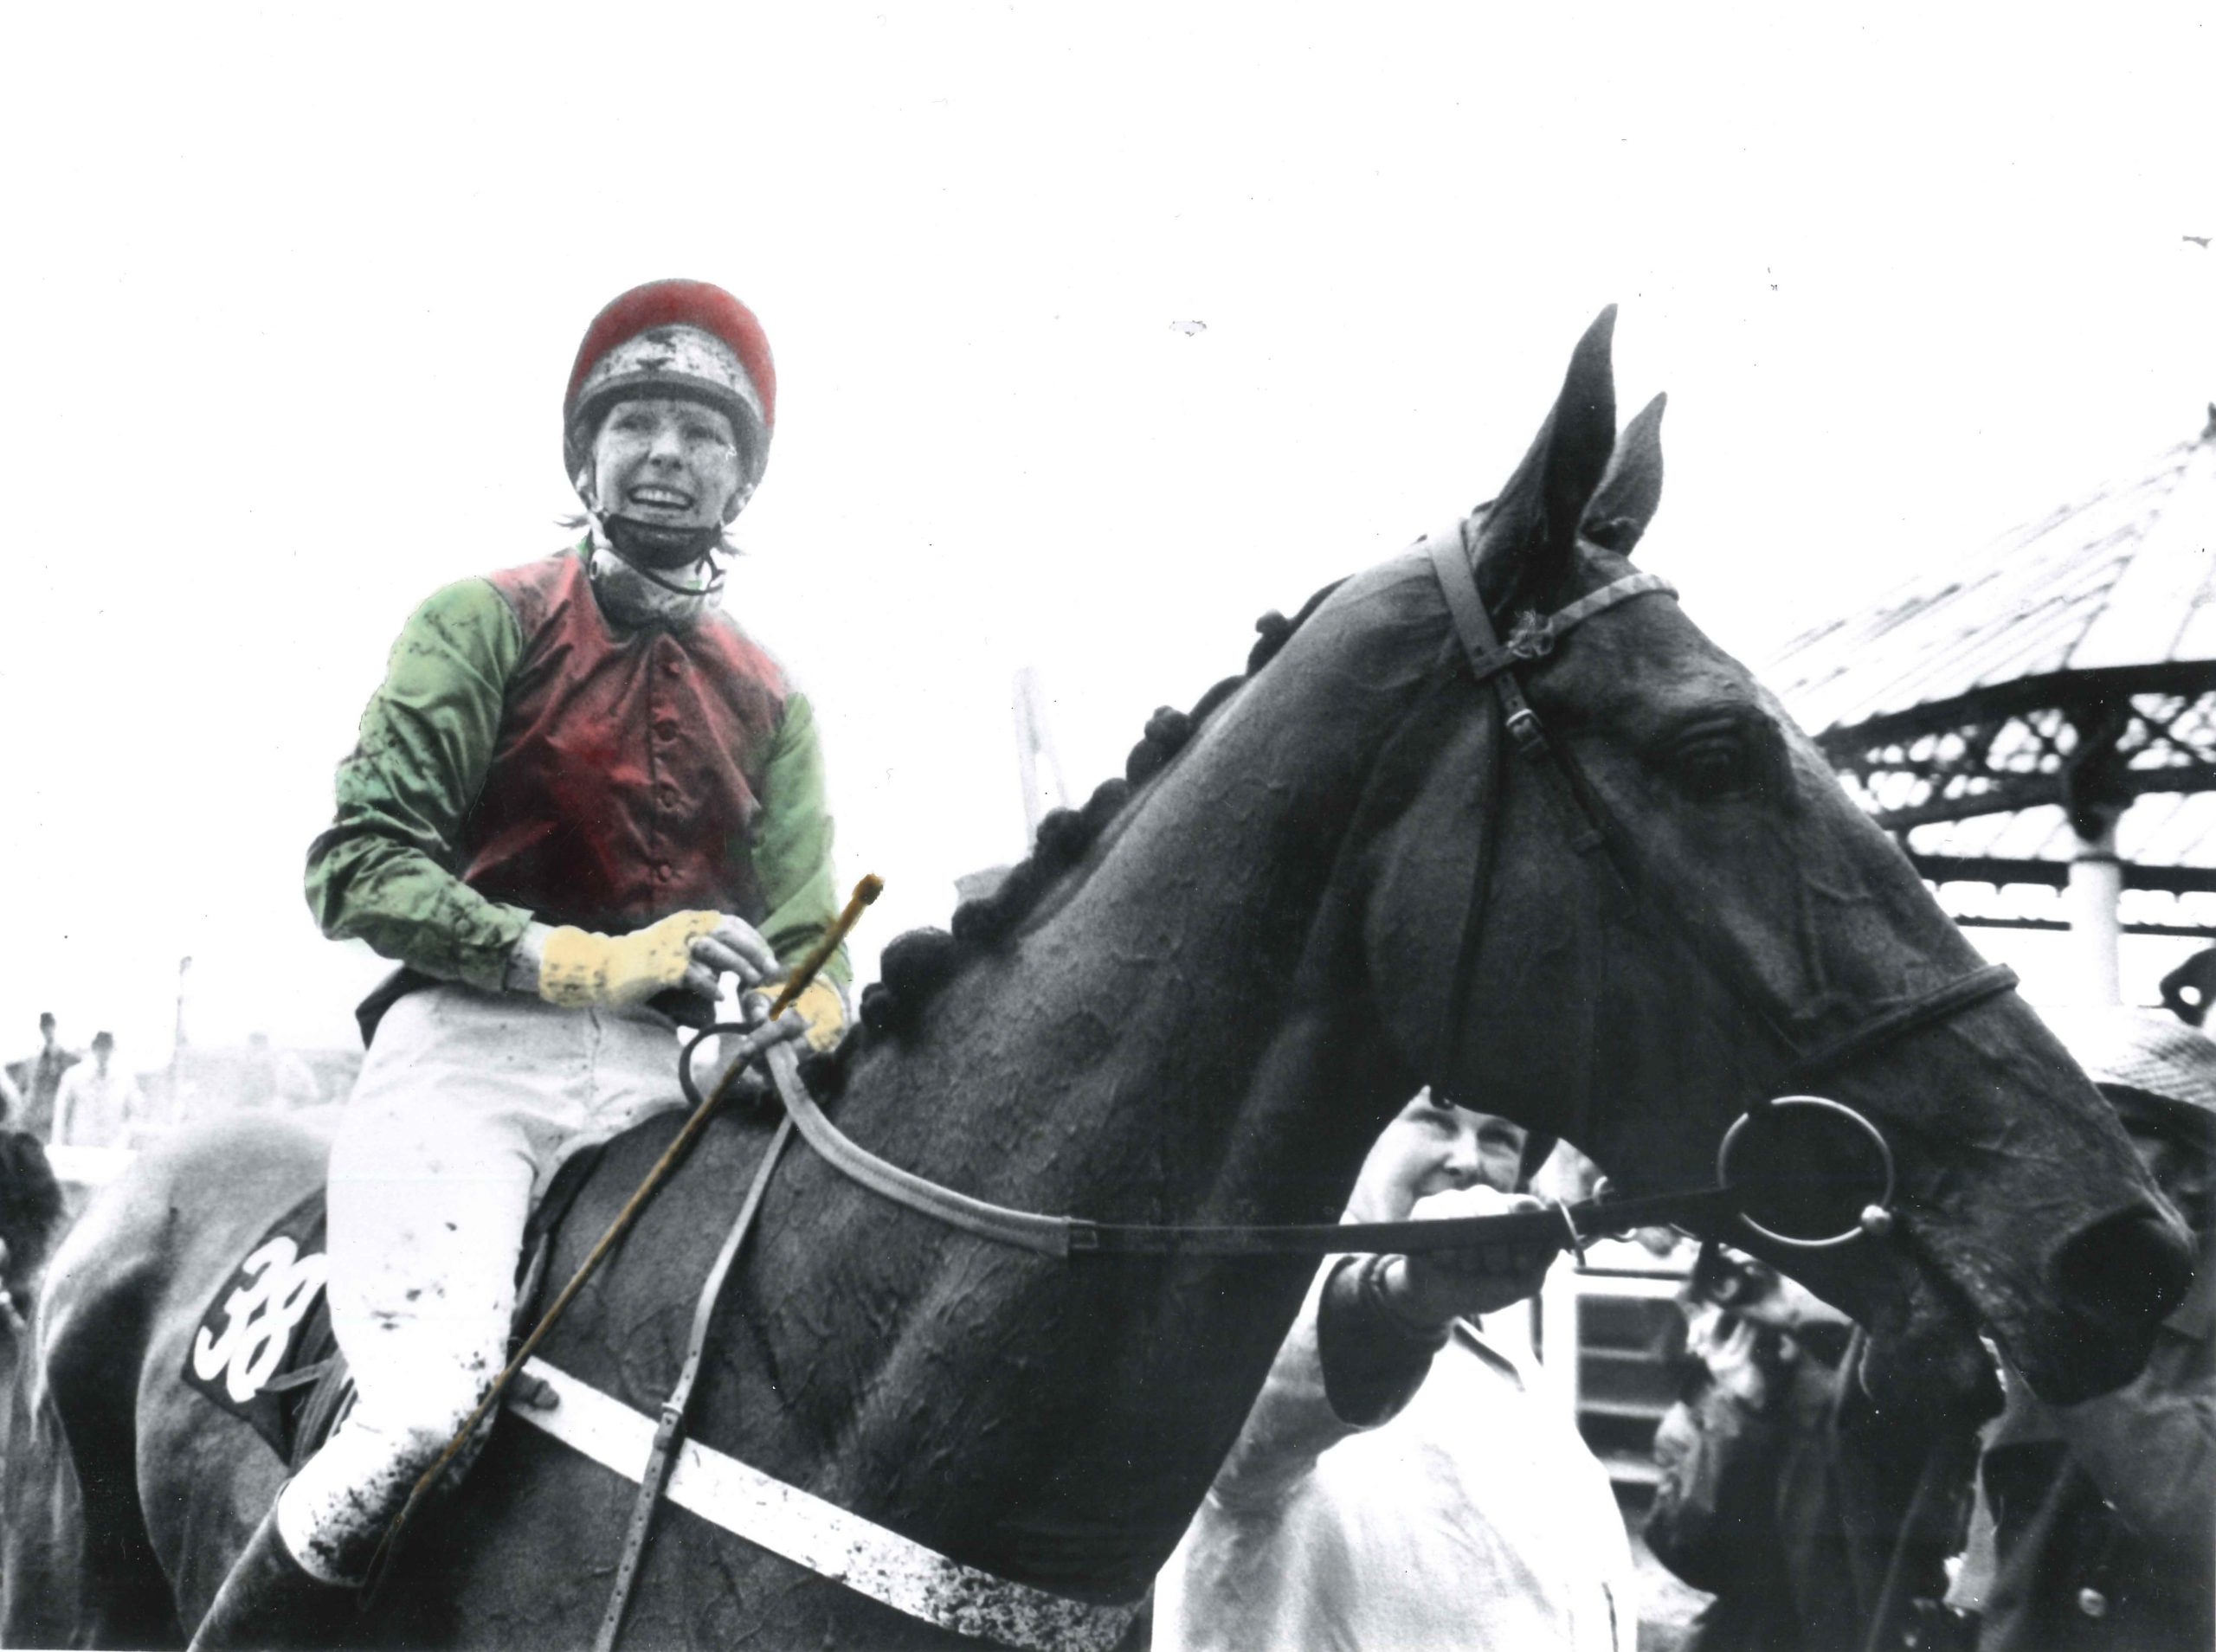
[1474,1517]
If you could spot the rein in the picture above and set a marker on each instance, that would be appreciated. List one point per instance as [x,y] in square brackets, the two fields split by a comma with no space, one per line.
[1070,1238]
[1591,828]
[1569,1227]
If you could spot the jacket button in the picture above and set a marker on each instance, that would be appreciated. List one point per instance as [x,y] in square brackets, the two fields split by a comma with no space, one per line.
[666,797]
[673,668]
[666,728]
[2092,1603]
[661,875]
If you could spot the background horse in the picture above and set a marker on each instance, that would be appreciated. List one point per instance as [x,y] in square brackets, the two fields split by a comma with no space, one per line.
[30,1221]
[1199,1001]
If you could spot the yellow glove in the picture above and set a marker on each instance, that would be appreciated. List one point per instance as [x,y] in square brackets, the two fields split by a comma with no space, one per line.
[578,969]
[820,1006]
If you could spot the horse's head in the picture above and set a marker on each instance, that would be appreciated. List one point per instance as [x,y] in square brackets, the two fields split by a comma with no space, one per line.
[1673,907]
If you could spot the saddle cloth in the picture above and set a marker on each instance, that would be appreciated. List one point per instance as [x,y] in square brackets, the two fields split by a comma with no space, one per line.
[264,1350]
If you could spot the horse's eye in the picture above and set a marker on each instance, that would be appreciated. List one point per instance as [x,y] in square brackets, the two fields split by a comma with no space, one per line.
[1719,764]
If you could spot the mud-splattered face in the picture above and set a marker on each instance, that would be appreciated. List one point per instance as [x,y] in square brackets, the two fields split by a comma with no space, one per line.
[667,462]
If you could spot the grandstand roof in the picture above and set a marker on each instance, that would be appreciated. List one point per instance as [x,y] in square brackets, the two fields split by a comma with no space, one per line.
[2065,672]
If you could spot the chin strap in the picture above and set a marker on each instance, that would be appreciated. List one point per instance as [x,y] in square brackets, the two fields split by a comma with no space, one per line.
[652,551]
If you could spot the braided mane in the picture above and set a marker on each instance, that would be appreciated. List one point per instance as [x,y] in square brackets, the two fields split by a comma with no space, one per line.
[917,964]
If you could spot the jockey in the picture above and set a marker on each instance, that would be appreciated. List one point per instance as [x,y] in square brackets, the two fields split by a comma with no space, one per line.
[581,796]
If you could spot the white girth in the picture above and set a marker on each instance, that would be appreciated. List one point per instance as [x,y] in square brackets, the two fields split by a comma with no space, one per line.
[823,1537]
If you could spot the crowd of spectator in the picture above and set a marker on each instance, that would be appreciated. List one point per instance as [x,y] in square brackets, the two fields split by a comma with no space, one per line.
[1818,1522]
[1815,1520]
[96,1098]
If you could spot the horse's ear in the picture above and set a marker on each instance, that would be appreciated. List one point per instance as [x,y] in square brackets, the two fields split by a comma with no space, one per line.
[1619,514]
[1529,535]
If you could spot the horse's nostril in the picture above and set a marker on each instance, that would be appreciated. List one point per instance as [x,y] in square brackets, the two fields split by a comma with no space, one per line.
[2131,1265]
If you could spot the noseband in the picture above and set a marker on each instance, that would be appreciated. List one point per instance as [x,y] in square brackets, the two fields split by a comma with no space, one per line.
[1592,830]
[1529,646]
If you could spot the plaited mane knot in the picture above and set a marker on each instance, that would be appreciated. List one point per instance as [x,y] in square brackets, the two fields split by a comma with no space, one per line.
[914,968]
[918,963]
[1275,629]
[824,1074]
[1107,798]
[1063,838]
[1167,731]
[882,1010]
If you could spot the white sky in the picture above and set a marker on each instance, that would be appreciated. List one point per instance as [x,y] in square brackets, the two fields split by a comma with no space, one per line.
[292,298]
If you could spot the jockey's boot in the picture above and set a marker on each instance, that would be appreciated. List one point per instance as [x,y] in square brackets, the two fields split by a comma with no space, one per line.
[270,1603]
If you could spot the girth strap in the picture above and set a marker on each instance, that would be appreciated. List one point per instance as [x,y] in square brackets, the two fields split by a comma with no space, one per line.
[803,1528]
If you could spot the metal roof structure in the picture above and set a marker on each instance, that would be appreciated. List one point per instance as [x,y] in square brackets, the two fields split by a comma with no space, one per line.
[1998,713]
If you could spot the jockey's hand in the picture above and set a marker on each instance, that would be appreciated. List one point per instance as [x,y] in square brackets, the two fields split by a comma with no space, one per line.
[825,1012]
[1433,1287]
[731,948]
[578,968]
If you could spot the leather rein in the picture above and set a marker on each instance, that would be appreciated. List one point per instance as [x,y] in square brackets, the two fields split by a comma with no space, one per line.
[1067,1237]
[1564,1226]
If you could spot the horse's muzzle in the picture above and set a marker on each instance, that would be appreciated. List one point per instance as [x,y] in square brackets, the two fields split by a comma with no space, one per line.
[2117,1278]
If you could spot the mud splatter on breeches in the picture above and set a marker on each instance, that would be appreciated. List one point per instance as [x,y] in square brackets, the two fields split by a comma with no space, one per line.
[467,1104]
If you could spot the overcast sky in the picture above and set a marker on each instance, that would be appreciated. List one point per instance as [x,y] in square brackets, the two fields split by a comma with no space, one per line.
[1097,335]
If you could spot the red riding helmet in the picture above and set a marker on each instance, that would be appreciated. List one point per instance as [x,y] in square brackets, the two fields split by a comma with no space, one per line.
[682,339]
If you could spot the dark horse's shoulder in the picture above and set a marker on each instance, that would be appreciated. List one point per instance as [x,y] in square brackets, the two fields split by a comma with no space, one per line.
[81,1564]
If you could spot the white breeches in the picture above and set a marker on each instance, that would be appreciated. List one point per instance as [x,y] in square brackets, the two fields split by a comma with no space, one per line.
[467,1103]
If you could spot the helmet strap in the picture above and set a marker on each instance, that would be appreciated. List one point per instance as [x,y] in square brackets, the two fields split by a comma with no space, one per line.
[652,551]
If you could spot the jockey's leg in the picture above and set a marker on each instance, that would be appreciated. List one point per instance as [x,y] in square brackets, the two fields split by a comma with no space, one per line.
[466,1105]
[427,1206]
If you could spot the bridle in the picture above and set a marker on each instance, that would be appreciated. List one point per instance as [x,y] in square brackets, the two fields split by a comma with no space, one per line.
[1593,830]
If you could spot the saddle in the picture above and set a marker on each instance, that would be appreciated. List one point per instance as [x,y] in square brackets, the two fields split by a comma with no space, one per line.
[264,1350]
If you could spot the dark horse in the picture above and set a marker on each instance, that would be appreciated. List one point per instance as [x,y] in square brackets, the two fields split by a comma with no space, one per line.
[1196,1003]
[31,1211]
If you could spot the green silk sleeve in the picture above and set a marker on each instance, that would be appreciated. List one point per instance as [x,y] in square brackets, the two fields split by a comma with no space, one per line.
[792,844]
[385,871]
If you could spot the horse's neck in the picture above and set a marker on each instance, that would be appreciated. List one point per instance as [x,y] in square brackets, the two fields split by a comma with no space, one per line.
[1161,1015]
[1175,1037]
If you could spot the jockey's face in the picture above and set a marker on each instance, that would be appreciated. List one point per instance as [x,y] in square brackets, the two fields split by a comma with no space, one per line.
[1429,1148]
[668,462]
